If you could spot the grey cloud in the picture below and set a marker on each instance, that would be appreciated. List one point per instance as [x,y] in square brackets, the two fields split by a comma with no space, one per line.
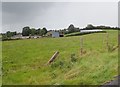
[57,15]
[22,11]
[119,14]
[23,7]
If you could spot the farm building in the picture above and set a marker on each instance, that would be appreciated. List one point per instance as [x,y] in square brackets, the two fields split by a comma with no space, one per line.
[55,34]
[91,31]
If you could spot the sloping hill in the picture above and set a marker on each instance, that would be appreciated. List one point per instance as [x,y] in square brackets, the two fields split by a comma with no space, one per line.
[24,60]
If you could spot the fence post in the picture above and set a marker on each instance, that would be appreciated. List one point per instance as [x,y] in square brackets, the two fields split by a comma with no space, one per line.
[53,57]
[107,44]
[81,45]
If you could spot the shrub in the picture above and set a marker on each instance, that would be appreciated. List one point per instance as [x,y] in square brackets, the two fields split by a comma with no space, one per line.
[53,75]
[59,64]
[73,58]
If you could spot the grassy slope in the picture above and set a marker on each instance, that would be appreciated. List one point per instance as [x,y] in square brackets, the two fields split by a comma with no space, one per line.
[0,61]
[23,60]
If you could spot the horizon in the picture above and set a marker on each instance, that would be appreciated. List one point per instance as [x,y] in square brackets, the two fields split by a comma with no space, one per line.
[61,28]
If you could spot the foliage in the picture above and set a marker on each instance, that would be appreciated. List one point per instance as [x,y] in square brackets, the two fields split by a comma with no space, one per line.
[72,29]
[8,35]
[73,58]
[33,31]
[44,31]
[90,26]
[4,37]
[26,31]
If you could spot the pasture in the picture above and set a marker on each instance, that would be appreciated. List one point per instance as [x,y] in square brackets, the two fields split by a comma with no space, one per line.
[23,61]
[0,61]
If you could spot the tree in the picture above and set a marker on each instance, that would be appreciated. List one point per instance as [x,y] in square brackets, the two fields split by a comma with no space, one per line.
[41,32]
[33,31]
[77,30]
[13,33]
[4,37]
[26,31]
[90,26]
[44,30]
[37,31]
[71,28]
[8,34]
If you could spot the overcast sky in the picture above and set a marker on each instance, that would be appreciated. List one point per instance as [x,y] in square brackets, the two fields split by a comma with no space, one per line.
[57,15]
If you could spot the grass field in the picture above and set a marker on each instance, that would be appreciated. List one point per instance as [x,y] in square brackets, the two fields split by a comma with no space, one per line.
[24,60]
[0,60]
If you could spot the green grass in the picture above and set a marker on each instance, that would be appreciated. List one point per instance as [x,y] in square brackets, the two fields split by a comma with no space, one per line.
[79,33]
[24,60]
[0,62]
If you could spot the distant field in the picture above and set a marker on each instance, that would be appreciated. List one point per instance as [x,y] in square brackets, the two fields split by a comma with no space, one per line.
[24,60]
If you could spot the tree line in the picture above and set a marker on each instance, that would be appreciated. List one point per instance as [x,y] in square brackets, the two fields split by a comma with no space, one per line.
[27,31]
[90,26]
[31,32]
[70,29]
[8,35]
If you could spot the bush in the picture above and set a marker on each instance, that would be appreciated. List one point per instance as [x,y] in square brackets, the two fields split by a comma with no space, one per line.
[4,37]
[73,58]
[53,75]
[59,64]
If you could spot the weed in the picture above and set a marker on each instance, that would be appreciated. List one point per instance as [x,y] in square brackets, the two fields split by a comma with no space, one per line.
[73,58]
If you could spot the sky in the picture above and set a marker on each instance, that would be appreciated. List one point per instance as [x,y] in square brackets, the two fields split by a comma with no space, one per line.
[118,14]
[57,15]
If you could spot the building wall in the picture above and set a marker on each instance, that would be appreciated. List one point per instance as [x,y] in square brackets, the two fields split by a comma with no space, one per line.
[55,34]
